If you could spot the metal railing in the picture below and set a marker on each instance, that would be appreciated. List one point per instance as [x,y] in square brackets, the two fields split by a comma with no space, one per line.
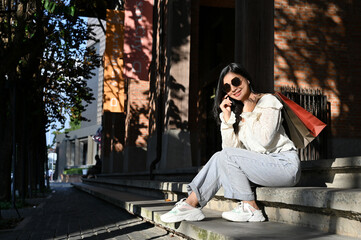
[316,103]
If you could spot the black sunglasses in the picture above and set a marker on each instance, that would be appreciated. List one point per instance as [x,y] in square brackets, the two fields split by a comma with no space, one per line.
[235,82]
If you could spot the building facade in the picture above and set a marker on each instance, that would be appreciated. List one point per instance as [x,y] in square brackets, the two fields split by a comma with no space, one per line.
[305,44]
[166,122]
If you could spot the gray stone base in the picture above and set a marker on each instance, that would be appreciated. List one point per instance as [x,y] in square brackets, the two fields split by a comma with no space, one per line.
[176,150]
[134,159]
[330,223]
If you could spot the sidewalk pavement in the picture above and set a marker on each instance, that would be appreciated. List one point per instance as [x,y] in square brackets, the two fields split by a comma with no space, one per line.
[71,214]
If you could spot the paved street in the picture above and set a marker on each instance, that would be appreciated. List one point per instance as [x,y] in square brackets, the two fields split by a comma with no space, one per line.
[71,214]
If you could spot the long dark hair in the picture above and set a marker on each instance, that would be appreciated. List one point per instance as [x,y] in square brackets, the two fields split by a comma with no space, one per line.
[237,109]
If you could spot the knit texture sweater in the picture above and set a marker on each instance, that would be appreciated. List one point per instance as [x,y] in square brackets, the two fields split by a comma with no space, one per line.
[260,131]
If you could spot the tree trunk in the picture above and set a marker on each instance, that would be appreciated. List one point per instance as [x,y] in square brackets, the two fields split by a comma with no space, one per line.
[5,162]
[5,146]
[5,143]
[24,139]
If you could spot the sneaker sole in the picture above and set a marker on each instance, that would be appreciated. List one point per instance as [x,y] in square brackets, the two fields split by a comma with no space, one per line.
[251,219]
[257,220]
[195,218]
[192,218]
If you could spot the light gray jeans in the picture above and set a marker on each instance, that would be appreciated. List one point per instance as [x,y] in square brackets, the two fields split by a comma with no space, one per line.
[235,168]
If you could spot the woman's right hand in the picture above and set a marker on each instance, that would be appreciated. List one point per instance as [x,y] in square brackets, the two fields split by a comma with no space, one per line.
[226,108]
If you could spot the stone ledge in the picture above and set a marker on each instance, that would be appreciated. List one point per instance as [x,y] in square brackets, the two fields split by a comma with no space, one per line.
[337,163]
[326,198]
[148,184]
[329,223]
[318,197]
[282,194]
[190,170]
[168,190]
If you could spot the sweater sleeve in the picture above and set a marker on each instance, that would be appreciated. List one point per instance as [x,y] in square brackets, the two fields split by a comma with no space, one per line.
[229,138]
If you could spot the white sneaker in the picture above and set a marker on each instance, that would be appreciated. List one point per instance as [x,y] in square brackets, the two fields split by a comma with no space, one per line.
[244,213]
[182,211]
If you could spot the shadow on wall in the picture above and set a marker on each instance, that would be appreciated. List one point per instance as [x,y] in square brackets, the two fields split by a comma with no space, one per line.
[138,127]
[179,25]
[173,114]
[137,31]
[317,44]
[180,29]
[172,18]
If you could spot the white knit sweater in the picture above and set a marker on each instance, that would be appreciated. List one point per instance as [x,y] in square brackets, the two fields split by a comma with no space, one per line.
[261,131]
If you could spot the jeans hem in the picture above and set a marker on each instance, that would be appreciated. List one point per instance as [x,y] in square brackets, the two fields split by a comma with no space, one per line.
[192,188]
[245,197]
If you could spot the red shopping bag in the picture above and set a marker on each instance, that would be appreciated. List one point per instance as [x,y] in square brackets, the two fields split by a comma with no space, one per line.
[303,126]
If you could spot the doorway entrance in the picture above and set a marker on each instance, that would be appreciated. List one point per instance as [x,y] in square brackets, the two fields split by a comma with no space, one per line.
[216,40]
[226,31]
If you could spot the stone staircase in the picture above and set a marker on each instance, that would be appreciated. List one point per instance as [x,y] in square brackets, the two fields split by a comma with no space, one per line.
[325,205]
[333,173]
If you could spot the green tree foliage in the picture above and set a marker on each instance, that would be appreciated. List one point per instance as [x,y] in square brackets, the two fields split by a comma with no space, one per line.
[66,65]
[44,66]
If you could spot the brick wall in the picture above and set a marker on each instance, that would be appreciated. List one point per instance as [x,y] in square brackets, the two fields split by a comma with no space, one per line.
[137,113]
[318,45]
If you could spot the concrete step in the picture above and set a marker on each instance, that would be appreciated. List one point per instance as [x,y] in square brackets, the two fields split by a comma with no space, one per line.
[213,227]
[164,190]
[173,191]
[178,175]
[335,173]
[326,209]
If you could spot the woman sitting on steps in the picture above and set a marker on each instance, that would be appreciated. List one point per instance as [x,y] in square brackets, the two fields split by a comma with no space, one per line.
[255,149]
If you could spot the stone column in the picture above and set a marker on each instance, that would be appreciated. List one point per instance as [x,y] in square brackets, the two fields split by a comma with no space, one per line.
[61,161]
[77,152]
[113,142]
[69,154]
[176,139]
[137,121]
[91,151]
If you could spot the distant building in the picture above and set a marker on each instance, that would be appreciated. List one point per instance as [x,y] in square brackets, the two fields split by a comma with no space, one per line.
[78,148]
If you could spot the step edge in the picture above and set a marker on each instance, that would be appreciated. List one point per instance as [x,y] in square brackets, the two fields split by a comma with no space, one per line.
[185,228]
[321,197]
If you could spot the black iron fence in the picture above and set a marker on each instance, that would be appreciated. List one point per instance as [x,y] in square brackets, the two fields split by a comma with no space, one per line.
[316,103]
